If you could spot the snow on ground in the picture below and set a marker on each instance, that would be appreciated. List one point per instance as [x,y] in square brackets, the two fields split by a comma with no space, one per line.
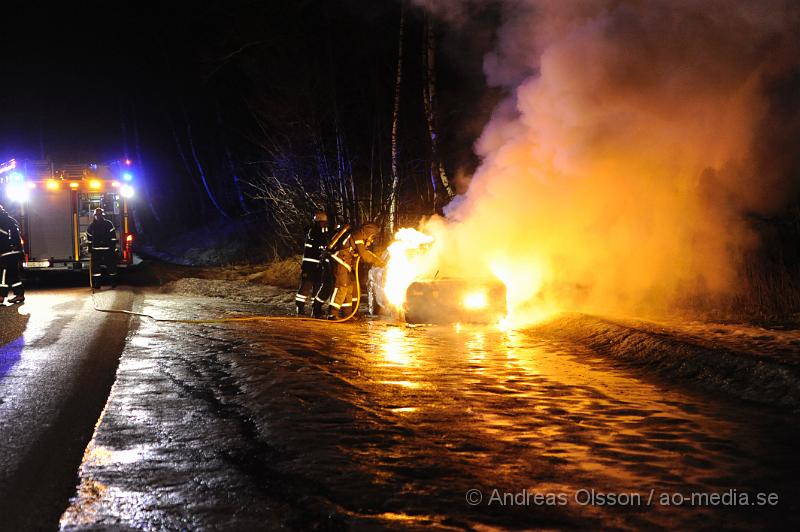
[273,300]
[746,361]
[779,343]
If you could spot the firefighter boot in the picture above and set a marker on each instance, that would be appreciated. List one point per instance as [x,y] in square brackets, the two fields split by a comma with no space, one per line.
[17,299]
[316,310]
[301,309]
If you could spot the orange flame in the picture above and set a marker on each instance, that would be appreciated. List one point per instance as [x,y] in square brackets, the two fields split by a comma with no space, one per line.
[439,248]
[408,261]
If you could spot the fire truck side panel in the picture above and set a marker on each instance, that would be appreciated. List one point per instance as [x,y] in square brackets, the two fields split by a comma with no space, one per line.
[48,222]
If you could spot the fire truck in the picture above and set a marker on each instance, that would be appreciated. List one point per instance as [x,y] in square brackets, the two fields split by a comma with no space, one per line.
[54,205]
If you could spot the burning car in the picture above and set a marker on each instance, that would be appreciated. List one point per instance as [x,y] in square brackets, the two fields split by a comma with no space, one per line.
[444,300]
[400,288]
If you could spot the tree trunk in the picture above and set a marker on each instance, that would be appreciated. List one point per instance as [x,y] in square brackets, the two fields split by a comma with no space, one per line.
[352,182]
[186,166]
[427,104]
[202,172]
[231,166]
[372,176]
[395,120]
[437,171]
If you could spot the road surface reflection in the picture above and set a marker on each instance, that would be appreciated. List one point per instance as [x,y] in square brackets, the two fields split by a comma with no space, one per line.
[387,425]
[406,420]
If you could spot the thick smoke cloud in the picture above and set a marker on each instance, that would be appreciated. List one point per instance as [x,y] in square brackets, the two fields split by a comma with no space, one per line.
[618,172]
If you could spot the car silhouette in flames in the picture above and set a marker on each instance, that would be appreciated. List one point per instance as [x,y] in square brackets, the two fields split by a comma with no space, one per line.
[440,300]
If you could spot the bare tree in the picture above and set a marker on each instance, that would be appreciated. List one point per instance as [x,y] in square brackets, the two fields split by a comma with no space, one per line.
[290,189]
[437,172]
[395,121]
[201,171]
[231,166]
[190,139]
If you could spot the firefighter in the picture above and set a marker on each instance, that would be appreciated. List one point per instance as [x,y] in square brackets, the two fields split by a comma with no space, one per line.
[11,256]
[326,269]
[311,268]
[102,238]
[352,247]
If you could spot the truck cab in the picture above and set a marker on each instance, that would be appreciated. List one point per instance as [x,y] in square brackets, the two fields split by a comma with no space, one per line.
[54,205]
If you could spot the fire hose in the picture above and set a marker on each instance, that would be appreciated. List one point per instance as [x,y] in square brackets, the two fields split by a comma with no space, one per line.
[226,320]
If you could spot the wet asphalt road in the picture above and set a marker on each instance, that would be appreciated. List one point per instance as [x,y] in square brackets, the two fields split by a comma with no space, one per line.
[57,365]
[371,425]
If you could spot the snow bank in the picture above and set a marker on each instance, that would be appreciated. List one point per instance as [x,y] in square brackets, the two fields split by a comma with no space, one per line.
[278,300]
[733,359]
[284,273]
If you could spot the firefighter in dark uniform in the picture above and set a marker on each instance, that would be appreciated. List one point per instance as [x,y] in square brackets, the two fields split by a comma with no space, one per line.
[11,256]
[344,258]
[326,270]
[311,269]
[102,238]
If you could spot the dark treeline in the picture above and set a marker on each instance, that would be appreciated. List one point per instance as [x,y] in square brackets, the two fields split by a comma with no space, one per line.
[271,111]
[246,111]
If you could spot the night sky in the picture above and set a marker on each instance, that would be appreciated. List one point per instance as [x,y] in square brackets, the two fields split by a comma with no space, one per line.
[70,71]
